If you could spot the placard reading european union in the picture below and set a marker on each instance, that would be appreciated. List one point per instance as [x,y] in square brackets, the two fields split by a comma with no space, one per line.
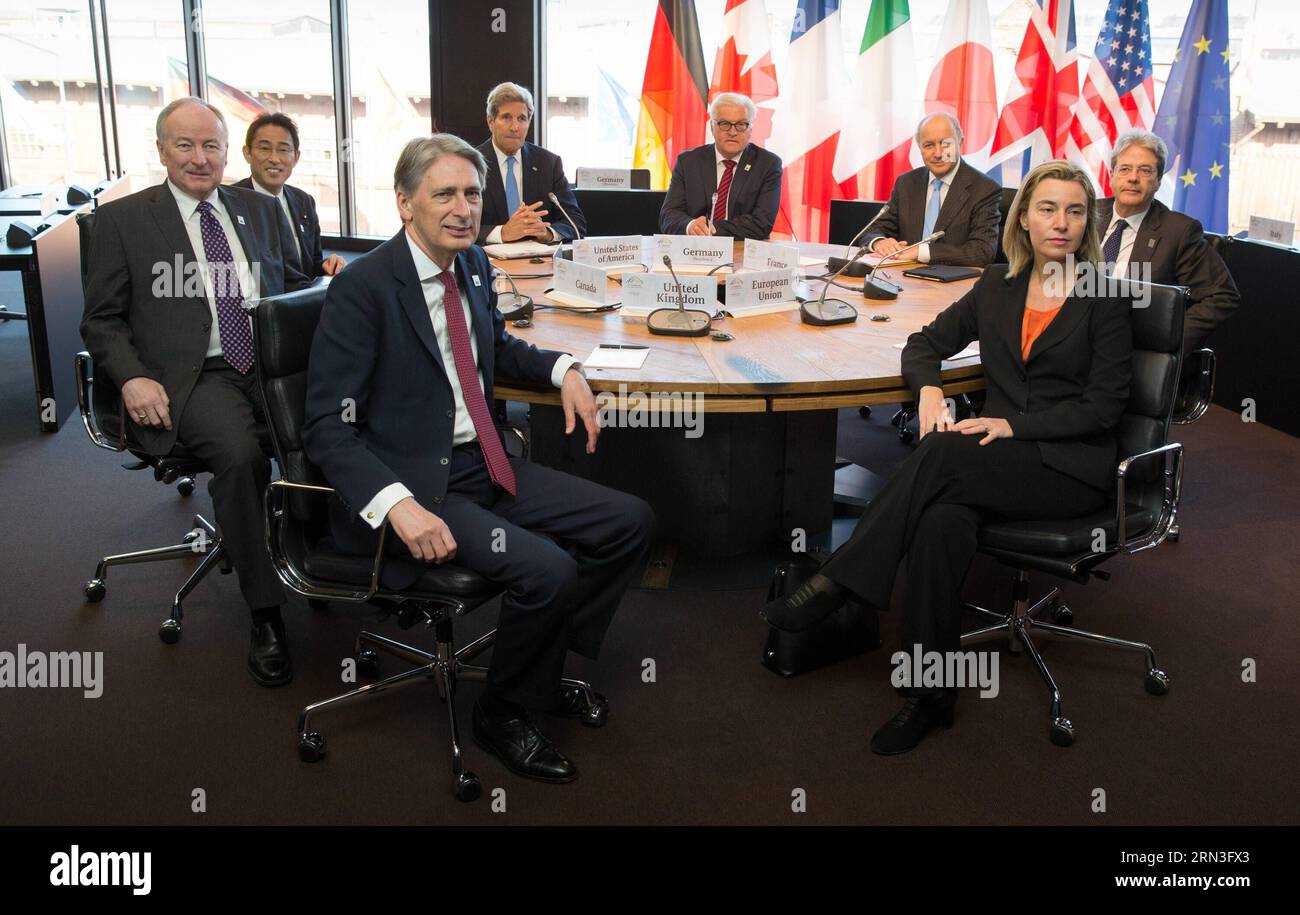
[762,255]
[762,291]
[580,285]
[588,178]
[608,251]
[693,250]
[645,292]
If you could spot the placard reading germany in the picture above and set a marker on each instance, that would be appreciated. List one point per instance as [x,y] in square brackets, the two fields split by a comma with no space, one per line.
[692,250]
[645,292]
[589,178]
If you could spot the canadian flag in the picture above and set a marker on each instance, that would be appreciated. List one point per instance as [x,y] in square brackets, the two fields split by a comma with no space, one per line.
[963,83]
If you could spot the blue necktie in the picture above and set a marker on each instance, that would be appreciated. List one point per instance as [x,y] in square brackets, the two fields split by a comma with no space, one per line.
[1110,253]
[512,189]
[932,210]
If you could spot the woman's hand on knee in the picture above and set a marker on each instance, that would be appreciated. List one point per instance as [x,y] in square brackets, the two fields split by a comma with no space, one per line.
[932,411]
[990,427]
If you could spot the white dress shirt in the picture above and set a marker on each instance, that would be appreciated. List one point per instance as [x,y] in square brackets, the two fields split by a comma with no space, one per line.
[463,427]
[284,205]
[1130,236]
[494,237]
[189,208]
[722,171]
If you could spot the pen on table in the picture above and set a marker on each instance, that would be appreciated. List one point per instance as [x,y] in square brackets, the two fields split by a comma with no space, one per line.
[621,346]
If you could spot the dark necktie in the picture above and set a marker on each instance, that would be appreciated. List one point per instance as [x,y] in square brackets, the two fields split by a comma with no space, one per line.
[1110,253]
[232,322]
[724,188]
[471,390]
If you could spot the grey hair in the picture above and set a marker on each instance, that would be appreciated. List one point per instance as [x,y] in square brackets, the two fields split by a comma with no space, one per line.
[736,99]
[504,94]
[163,115]
[1148,141]
[420,153]
[956,125]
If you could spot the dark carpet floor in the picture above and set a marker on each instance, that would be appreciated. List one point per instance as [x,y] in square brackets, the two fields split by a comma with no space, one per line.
[714,739]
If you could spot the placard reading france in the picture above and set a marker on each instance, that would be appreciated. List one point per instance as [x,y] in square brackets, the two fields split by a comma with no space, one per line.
[762,291]
[645,292]
[693,250]
[581,281]
[762,255]
[608,251]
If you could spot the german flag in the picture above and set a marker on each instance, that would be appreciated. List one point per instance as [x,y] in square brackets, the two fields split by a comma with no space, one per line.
[674,94]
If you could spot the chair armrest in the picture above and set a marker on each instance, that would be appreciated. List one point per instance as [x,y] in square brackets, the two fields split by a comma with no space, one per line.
[85,365]
[1196,399]
[1173,487]
[277,527]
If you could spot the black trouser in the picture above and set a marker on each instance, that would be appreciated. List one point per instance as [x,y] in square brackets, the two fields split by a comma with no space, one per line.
[930,512]
[220,427]
[564,547]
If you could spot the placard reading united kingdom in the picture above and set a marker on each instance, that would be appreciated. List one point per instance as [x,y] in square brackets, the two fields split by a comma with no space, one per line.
[645,292]
[580,284]
[693,250]
[608,251]
[762,255]
[762,292]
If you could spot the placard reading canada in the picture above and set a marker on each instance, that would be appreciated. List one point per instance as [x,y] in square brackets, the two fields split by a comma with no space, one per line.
[584,282]
[588,178]
[762,292]
[693,250]
[762,255]
[645,292]
[608,251]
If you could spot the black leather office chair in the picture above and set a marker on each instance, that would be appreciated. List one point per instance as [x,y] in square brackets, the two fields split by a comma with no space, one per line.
[1004,207]
[1148,484]
[103,416]
[303,554]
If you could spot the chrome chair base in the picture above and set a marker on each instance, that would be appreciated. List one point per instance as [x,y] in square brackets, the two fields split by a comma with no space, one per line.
[202,540]
[1023,618]
[445,666]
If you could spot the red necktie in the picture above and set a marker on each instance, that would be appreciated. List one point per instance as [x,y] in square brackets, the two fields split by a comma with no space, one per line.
[498,464]
[724,187]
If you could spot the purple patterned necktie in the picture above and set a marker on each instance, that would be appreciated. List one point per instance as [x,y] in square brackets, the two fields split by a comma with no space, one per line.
[232,322]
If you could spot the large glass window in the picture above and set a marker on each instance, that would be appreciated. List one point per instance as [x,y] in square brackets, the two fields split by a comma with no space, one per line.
[48,94]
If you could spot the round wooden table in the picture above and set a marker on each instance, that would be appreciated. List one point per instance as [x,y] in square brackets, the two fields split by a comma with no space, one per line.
[760,463]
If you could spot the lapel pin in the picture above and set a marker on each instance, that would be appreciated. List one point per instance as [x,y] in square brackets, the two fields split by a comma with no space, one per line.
[748,167]
[1151,242]
[240,218]
[477,281]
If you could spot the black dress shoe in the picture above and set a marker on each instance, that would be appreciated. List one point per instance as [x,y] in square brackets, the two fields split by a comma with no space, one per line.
[574,704]
[268,654]
[813,601]
[913,721]
[522,748]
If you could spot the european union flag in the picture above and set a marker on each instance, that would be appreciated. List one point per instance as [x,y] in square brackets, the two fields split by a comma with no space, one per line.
[1194,116]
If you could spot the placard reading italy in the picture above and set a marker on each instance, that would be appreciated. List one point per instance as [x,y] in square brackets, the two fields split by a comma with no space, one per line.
[762,255]
[761,292]
[584,282]
[693,250]
[588,178]
[645,292]
[609,251]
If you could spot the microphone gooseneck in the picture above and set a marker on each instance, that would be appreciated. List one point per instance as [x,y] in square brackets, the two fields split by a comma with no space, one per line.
[563,212]
[668,262]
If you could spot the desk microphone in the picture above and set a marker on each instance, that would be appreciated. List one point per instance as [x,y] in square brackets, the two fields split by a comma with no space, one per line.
[819,314]
[874,287]
[559,206]
[843,263]
[680,321]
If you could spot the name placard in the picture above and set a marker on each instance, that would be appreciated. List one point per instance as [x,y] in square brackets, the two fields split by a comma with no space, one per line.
[587,284]
[1278,231]
[645,292]
[693,250]
[608,251]
[762,255]
[762,291]
[591,178]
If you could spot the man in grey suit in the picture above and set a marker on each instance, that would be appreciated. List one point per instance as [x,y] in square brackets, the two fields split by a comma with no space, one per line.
[168,273]
[729,187]
[944,195]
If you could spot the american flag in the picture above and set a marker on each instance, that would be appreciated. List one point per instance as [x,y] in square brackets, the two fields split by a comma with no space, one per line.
[1118,92]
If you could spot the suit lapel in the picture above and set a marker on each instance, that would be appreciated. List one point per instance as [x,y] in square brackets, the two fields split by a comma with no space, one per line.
[168,217]
[239,218]
[528,183]
[299,217]
[955,199]
[1067,319]
[481,322]
[496,190]
[410,294]
[1148,238]
[1012,316]
[739,174]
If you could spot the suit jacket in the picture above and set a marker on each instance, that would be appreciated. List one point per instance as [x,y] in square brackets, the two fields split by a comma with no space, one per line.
[306,226]
[969,217]
[1175,247]
[135,324]
[1071,392]
[375,350]
[753,201]
[543,173]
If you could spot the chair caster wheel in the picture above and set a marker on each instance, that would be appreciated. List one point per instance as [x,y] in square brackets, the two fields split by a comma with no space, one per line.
[311,747]
[190,536]
[864,412]
[467,787]
[317,604]
[368,662]
[170,631]
[1062,732]
[1173,533]
[1156,682]
[1062,615]
[94,590]
[596,714]
[906,435]
[186,486]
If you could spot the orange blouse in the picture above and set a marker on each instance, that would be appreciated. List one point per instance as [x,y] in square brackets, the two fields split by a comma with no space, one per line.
[1032,327]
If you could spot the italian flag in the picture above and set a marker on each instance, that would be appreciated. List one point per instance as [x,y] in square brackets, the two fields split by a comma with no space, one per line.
[882,108]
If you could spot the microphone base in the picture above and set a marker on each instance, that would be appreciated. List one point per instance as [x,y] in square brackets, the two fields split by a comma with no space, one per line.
[827,314]
[881,290]
[858,269]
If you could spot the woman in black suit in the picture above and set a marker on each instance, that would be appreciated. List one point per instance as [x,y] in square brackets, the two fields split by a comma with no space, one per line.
[1056,367]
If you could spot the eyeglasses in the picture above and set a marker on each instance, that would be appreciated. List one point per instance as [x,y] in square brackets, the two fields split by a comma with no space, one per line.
[1146,171]
[729,126]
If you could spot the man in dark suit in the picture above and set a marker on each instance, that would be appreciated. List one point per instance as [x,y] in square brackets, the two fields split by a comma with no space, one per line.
[168,274]
[401,374]
[272,152]
[520,176]
[1157,245]
[729,187]
[944,195]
